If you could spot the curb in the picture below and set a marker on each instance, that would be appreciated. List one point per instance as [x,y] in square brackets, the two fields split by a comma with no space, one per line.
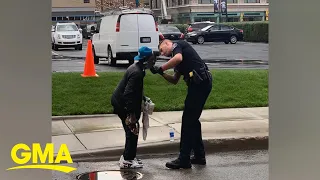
[71,117]
[165,148]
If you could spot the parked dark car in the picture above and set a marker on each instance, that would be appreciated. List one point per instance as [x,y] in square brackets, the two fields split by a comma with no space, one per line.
[171,32]
[216,33]
[88,30]
[197,26]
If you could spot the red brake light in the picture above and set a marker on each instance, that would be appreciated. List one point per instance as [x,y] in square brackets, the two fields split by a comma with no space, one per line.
[156,26]
[241,30]
[189,29]
[118,27]
[182,36]
[161,36]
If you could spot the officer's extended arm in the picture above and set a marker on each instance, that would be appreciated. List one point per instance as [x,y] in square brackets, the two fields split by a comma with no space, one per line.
[172,79]
[174,61]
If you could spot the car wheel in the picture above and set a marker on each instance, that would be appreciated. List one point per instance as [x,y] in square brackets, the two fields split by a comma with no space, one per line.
[233,39]
[80,47]
[200,40]
[111,60]
[96,59]
[55,47]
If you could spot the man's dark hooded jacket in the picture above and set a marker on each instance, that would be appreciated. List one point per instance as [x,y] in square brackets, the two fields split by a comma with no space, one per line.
[128,96]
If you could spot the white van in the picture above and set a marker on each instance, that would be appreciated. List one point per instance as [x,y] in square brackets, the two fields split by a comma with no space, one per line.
[119,35]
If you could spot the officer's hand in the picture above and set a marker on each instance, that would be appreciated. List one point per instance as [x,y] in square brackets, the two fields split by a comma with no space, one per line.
[153,70]
[156,69]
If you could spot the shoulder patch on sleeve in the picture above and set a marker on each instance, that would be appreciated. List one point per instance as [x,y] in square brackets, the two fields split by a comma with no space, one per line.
[174,46]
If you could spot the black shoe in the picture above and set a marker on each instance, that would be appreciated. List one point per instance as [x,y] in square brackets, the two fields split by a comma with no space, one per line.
[177,164]
[200,161]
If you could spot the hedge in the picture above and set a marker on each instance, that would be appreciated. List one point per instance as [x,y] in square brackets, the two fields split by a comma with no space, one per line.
[253,31]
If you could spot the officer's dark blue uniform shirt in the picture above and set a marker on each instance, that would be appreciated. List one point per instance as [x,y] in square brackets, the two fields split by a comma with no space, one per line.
[191,59]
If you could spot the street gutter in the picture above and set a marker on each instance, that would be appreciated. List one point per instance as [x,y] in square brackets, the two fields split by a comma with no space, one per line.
[165,148]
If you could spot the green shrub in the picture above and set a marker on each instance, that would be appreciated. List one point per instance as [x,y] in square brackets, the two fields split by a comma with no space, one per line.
[253,31]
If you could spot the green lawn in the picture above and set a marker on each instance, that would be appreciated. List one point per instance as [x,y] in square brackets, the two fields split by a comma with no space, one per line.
[74,95]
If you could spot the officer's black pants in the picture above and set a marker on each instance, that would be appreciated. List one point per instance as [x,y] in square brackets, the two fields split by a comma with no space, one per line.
[131,143]
[191,135]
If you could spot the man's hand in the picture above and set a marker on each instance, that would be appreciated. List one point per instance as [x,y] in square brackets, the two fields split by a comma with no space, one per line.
[132,123]
[156,69]
[134,128]
[131,119]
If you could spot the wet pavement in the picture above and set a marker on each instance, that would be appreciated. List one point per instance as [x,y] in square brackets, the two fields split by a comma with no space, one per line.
[248,165]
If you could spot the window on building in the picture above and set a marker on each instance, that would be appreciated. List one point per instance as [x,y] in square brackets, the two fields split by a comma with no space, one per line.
[54,18]
[205,1]
[86,1]
[251,1]
[179,2]
[186,1]
[232,1]
[173,3]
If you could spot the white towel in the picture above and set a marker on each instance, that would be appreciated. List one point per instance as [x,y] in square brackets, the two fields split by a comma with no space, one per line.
[147,109]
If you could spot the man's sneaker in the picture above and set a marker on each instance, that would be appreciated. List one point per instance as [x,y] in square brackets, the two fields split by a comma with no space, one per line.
[177,164]
[129,164]
[200,161]
[138,161]
[135,159]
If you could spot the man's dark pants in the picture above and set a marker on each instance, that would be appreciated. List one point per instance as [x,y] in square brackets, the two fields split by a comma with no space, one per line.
[191,135]
[130,150]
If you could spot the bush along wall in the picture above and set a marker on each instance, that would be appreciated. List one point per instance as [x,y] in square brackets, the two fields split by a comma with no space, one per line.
[253,31]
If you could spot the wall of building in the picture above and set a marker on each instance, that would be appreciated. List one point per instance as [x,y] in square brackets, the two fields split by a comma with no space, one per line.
[73,3]
[78,11]
[186,11]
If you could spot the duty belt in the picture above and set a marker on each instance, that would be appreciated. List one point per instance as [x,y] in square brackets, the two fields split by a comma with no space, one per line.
[197,76]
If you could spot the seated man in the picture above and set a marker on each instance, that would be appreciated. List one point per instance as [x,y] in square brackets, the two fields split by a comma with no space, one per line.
[127,100]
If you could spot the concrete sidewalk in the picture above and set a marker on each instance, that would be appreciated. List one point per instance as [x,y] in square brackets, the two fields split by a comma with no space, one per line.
[103,134]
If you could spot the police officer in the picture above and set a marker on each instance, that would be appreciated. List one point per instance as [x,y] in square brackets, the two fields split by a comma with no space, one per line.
[126,101]
[186,61]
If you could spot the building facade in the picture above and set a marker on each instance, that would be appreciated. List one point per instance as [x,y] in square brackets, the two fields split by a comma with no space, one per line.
[78,11]
[187,11]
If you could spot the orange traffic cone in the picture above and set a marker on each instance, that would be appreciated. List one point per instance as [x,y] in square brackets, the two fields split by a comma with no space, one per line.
[89,68]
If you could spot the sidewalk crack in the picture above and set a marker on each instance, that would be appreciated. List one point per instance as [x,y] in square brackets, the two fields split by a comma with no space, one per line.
[75,135]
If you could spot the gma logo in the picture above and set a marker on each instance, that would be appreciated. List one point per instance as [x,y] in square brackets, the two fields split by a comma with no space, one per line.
[41,159]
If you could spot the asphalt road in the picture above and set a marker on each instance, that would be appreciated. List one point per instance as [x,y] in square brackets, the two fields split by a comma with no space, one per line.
[210,51]
[69,65]
[73,61]
[250,165]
